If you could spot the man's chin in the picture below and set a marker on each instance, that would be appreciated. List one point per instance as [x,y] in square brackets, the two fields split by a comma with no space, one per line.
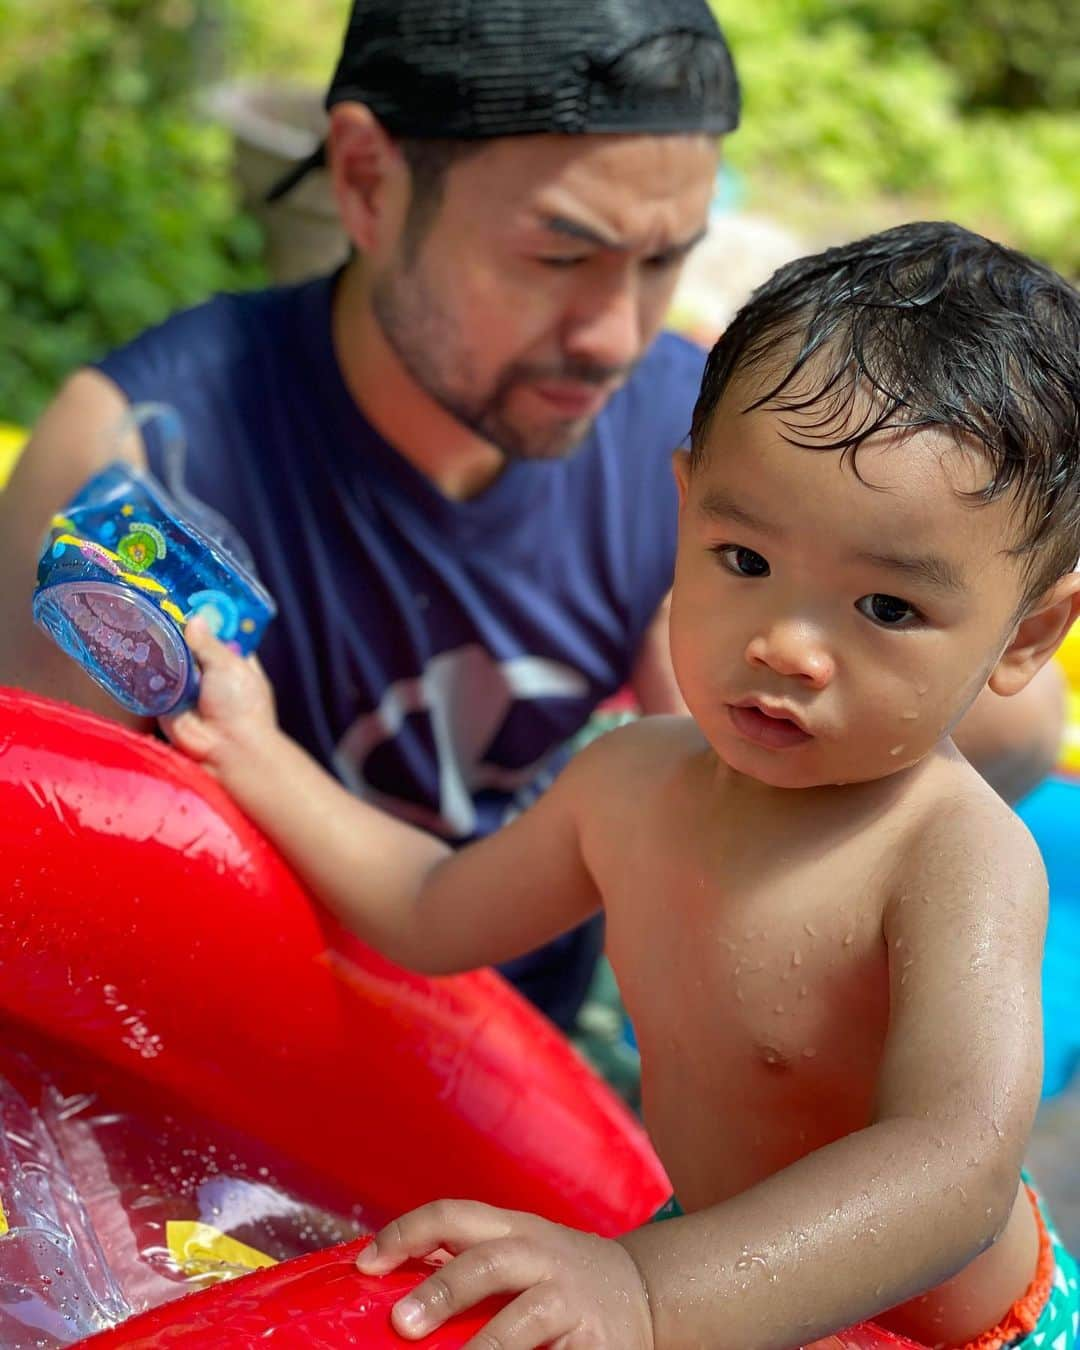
[552,443]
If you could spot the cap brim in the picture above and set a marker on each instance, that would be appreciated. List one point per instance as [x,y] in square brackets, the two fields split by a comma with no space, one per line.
[289,180]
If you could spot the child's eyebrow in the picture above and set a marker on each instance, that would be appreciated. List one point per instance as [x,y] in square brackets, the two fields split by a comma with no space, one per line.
[929,568]
[717,505]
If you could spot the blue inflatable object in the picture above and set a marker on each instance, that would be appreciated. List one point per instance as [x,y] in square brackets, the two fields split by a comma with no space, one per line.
[124,568]
[1051,814]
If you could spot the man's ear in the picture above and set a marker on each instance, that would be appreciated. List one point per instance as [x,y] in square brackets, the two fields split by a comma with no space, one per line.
[1038,635]
[680,464]
[366,166]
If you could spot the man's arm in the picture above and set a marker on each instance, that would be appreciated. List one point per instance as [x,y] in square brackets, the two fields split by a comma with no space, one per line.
[653,677]
[399,889]
[72,441]
[1015,742]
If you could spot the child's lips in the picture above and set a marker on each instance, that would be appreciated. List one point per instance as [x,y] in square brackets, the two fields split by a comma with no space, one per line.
[773,730]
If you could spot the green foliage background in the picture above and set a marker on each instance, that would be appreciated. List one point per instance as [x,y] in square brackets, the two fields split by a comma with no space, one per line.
[915,107]
[117,206]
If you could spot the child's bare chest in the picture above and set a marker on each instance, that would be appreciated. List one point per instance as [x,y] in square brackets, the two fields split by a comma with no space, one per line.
[759,995]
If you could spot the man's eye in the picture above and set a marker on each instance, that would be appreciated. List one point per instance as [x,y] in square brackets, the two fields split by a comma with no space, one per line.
[562,262]
[744,562]
[888,610]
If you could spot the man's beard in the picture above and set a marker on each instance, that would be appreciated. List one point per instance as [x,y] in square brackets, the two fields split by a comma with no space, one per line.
[428,343]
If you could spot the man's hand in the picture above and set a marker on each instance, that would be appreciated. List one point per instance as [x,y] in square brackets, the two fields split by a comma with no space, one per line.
[236,703]
[574,1290]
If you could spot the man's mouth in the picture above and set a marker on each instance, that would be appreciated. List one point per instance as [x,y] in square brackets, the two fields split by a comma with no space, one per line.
[573,398]
[775,730]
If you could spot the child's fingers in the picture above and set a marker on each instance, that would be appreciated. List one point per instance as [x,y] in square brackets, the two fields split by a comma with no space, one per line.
[453,1224]
[505,1266]
[189,733]
[537,1318]
[207,649]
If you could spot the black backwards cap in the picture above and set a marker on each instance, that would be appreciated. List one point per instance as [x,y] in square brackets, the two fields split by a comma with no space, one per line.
[477,69]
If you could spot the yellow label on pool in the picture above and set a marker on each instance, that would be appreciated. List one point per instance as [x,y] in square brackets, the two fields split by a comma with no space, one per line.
[12,440]
[3,1221]
[1070,751]
[200,1250]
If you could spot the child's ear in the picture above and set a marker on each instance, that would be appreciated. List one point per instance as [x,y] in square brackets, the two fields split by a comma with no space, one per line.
[1038,636]
[680,464]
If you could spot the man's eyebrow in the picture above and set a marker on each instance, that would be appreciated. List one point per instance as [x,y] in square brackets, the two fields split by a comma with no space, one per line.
[574,229]
[718,506]
[929,568]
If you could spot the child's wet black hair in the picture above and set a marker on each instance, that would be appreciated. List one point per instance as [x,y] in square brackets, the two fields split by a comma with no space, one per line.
[925,325]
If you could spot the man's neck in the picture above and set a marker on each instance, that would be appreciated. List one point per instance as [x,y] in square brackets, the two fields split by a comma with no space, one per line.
[457,461]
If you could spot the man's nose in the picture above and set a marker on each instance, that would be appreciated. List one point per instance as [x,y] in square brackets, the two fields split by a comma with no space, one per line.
[794,649]
[605,328]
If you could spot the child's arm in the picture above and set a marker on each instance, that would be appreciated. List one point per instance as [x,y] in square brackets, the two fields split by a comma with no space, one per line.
[857,1227]
[396,887]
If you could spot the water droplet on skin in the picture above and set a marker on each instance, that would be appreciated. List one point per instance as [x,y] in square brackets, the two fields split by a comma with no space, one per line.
[802,991]
[779,1008]
[909,716]
[896,750]
[810,930]
[809,1052]
[796,957]
[849,939]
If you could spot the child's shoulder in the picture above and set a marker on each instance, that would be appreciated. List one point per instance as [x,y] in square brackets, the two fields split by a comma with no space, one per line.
[646,747]
[964,838]
[648,740]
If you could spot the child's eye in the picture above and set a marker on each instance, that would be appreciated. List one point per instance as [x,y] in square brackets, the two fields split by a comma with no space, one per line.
[888,610]
[744,562]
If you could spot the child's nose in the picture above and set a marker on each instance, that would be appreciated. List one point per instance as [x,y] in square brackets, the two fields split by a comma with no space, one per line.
[793,650]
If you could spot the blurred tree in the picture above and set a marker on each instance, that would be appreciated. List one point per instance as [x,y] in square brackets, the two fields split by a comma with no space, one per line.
[1013,54]
[116,200]
[863,102]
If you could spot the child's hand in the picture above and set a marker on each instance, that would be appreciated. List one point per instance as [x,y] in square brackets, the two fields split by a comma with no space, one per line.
[236,703]
[574,1290]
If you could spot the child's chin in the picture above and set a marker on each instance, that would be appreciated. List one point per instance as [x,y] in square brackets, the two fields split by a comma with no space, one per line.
[772,768]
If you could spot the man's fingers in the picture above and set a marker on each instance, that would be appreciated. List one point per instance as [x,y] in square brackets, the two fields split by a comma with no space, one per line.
[453,1224]
[504,1266]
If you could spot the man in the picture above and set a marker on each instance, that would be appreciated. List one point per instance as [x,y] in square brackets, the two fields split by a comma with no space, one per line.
[450,460]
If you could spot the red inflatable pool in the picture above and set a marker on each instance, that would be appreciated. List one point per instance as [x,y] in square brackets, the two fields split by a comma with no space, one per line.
[202,1075]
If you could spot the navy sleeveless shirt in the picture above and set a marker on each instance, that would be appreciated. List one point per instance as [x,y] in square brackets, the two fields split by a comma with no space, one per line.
[436,655]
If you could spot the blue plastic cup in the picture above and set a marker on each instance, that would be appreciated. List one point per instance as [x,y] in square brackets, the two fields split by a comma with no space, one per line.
[121,574]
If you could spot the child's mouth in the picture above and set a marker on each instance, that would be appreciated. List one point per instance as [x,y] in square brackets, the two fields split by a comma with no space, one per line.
[762,728]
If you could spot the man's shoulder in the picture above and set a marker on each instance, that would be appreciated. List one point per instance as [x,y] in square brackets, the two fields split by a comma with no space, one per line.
[217,332]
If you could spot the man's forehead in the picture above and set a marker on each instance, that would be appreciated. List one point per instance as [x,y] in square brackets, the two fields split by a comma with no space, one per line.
[551,171]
